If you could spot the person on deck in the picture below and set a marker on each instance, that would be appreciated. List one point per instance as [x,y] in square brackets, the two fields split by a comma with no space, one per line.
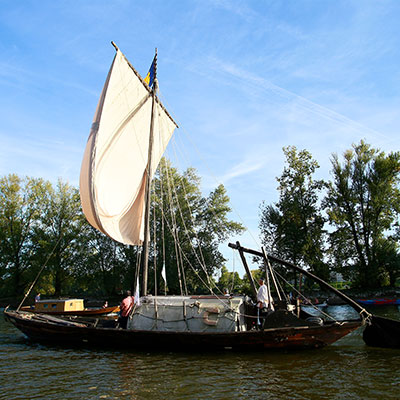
[125,309]
[37,297]
[264,301]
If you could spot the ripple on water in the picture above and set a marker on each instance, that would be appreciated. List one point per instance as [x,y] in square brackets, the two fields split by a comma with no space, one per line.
[346,370]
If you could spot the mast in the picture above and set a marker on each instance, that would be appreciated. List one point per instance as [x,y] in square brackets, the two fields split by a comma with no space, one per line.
[146,240]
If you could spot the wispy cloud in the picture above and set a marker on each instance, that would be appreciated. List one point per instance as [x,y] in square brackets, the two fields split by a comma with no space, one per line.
[241,169]
[258,83]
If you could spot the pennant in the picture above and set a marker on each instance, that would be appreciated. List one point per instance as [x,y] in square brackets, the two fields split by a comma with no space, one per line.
[163,274]
[137,294]
[152,72]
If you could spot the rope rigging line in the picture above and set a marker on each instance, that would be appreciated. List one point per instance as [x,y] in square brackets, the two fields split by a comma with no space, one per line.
[39,273]
[216,180]
[174,200]
[191,217]
[163,237]
[174,231]
[206,284]
[305,298]
[155,255]
[197,251]
[186,230]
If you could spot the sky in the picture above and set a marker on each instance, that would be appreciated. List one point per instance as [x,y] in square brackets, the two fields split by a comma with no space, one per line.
[242,78]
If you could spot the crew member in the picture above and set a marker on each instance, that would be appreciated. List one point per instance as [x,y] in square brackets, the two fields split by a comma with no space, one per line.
[125,309]
[264,300]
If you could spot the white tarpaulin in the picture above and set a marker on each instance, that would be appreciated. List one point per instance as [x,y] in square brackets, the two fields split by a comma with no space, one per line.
[189,314]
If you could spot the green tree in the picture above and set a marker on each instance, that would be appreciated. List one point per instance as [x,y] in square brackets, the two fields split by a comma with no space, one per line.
[363,207]
[61,235]
[102,270]
[21,202]
[189,229]
[293,228]
[230,281]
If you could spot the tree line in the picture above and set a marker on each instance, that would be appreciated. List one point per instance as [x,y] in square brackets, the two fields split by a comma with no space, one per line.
[347,225]
[43,224]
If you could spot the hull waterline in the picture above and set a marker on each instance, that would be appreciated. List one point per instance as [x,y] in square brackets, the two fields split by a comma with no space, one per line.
[65,332]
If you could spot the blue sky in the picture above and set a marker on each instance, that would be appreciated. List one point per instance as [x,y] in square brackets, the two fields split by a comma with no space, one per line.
[241,78]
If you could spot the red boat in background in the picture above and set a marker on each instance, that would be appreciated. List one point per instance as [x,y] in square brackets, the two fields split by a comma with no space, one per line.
[378,302]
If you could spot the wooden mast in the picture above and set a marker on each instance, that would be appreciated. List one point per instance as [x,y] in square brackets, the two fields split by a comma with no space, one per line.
[146,240]
[248,272]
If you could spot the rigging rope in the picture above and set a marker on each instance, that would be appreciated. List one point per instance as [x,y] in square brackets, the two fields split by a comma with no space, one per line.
[305,298]
[174,231]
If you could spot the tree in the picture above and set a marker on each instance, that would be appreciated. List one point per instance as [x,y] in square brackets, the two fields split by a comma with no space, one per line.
[363,204]
[293,228]
[21,201]
[230,281]
[189,229]
[103,268]
[61,236]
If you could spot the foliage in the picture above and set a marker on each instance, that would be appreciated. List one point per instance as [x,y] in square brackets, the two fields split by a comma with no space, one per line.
[229,282]
[21,204]
[293,228]
[59,235]
[189,229]
[42,224]
[363,204]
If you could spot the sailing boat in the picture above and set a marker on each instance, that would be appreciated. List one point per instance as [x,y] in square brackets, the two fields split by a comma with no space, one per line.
[129,134]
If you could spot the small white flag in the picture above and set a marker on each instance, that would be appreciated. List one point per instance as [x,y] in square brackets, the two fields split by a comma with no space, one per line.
[137,294]
[163,274]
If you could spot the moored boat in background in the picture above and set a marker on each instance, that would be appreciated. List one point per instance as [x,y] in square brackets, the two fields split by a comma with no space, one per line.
[378,302]
[68,307]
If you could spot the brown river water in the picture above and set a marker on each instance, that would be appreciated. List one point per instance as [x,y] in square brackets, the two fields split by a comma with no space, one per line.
[345,370]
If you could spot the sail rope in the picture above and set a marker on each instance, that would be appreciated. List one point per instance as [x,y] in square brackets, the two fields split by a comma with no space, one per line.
[193,145]
[191,216]
[155,257]
[175,199]
[40,272]
[163,237]
[188,135]
[174,231]
[196,250]
[305,298]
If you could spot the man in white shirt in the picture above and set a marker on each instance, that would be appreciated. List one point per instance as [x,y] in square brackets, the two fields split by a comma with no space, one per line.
[263,298]
[264,303]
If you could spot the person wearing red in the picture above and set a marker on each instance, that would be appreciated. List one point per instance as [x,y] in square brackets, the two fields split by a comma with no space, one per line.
[125,309]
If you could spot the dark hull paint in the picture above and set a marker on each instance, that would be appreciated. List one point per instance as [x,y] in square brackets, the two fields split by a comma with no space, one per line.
[382,332]
[275,338]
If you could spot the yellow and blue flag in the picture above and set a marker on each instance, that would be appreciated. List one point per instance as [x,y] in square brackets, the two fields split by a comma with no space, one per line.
[152,72]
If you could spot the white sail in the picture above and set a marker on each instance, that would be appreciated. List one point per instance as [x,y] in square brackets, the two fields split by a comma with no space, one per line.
[113,173]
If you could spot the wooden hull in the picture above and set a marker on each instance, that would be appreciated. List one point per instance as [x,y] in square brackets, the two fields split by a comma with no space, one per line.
[88,312]
[59,331]
[382,332]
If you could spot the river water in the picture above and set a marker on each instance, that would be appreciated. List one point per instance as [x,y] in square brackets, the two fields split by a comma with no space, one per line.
[345,370]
